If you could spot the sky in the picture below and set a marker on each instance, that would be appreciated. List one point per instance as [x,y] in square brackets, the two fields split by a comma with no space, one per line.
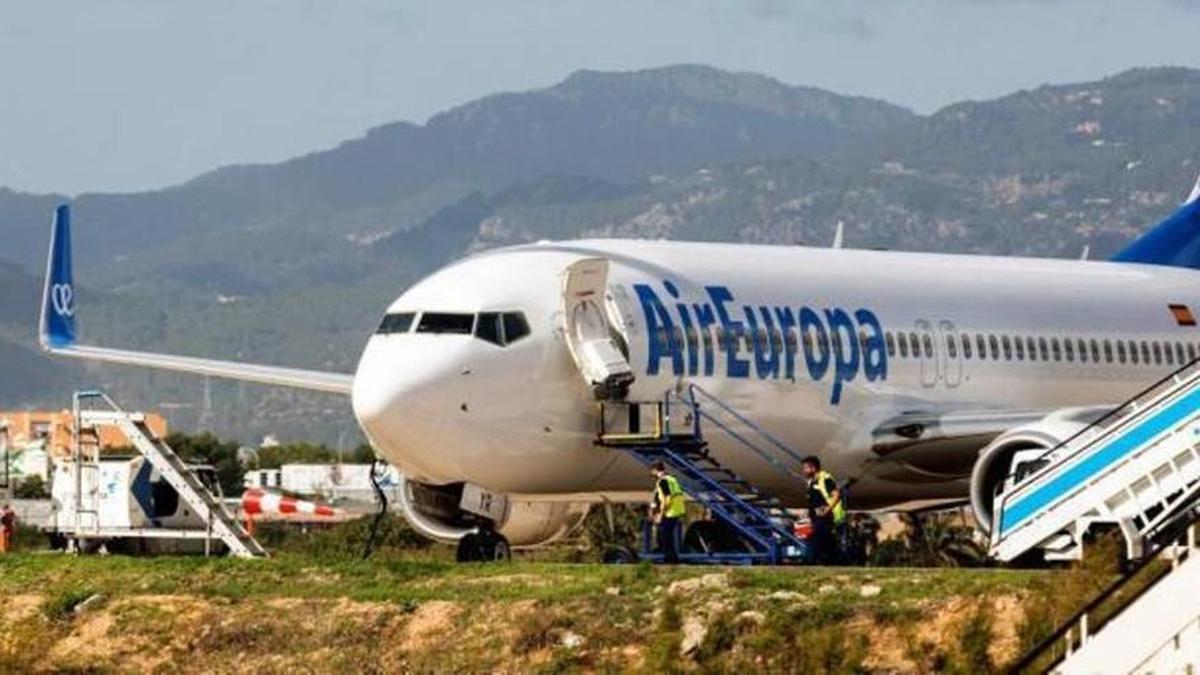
[129,95]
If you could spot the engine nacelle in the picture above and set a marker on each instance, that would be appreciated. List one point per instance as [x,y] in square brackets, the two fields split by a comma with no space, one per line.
[995,461]
[448,512]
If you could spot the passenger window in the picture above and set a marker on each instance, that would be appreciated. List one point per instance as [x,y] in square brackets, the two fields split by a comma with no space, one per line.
[890,340]
[1042,348]
[1108,353]
[951,347]
[1167,353]
[1179,352]
[1082,351]
[966,346]
[1120,351]
[1145,352]
[1031,347]
[1095,351]
[1157,352]
[915,344]
[1019,346]
[1054,347]
[1007,347]
[515,327]
[489,329]
[440,322]
[903,340]
[925,340]
[396,323]
[981,346]
[1133,352]
[995,344]
[789,340]
[1191,352]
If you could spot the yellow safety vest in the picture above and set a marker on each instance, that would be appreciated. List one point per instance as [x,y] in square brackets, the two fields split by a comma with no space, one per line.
[671,503]
[839,509]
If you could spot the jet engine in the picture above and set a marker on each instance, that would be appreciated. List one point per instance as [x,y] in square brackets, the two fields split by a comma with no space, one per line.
[447,513]
[996,460]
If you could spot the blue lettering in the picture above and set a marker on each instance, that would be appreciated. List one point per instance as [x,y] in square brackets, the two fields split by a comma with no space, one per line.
[734,330]
[816,343]
[845,353]
[875,349]
[787,326]
[706,319]
[660,332]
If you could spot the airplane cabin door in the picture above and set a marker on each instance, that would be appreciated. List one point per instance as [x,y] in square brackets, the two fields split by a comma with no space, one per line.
[928,358]
[588,333]
[951,352]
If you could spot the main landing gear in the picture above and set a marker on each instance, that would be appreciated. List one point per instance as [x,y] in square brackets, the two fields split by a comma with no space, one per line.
[485,545]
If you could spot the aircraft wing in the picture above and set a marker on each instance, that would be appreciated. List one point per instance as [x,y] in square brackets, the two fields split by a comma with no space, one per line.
[56,333]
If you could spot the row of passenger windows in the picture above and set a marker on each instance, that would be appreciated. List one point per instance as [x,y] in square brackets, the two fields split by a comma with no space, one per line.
[499,328]
[970,346]
[1030,348]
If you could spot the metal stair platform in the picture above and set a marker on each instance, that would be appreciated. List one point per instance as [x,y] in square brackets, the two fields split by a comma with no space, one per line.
[219,524]
[1135,468]
[670,431]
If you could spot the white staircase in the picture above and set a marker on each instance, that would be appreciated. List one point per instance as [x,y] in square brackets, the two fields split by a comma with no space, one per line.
[210,510]
[1135,468]
[1148,621]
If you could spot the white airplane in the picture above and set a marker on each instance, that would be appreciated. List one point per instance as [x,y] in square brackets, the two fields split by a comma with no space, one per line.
[913,375]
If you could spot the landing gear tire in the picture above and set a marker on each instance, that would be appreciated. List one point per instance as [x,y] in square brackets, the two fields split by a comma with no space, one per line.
[620,555]
[485,546]
[712,536]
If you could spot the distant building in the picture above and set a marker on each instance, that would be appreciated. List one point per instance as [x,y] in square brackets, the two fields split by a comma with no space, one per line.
[330,482]
[51,431]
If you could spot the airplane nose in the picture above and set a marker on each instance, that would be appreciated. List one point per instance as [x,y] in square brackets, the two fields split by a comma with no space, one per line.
[405,399]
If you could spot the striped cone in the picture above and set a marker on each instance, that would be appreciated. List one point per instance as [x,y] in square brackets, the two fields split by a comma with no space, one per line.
[260,502]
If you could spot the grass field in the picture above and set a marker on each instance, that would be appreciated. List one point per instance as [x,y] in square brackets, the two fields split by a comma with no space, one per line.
[332,613]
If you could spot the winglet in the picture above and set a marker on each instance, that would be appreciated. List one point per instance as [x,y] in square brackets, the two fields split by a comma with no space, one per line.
[1174,242]
[57,327]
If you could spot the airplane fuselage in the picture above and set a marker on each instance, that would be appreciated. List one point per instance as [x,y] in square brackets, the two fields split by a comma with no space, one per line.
[818,346]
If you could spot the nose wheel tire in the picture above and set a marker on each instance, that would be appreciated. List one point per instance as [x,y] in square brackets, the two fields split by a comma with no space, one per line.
[485,546]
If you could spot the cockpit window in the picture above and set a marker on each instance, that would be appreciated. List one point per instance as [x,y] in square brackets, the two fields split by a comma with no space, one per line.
[515,327]
[489,328]
[396,323]
[501,329]
[439,322]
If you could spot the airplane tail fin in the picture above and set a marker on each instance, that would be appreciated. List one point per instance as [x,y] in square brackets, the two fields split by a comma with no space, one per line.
[1174,242]
[57,327]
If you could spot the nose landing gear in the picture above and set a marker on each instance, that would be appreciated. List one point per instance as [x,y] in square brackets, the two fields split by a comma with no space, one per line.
[486,545]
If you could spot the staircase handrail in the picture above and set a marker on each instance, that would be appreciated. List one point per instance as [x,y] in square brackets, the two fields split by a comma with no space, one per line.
[1177,528]
[698,411]
[1107,424]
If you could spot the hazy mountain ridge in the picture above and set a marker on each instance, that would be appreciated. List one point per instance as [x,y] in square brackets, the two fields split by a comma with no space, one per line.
[292,263]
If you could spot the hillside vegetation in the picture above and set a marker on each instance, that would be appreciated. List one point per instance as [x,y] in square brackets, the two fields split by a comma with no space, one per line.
[292,263]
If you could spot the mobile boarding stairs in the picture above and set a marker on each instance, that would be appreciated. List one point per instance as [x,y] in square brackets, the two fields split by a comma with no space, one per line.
[1137,470]
[758,529]
[88,522]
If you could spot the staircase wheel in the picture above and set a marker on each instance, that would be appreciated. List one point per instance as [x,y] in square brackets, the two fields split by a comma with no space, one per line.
[713,536]
[468,549]
[620,555]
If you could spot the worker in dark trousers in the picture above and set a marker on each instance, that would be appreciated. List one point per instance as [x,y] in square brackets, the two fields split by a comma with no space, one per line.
[666,510]
[826,511]
[8,528]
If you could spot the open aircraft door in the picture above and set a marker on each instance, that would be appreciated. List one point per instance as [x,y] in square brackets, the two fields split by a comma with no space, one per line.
[589,335]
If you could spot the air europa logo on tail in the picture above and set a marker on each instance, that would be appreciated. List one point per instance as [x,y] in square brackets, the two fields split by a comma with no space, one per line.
[761,339]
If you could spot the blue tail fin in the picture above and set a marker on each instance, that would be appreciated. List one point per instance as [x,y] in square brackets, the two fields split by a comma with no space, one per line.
[1174,242]
[57,327]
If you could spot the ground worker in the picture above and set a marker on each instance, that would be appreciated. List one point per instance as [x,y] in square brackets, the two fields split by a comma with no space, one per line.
[826,511]
[8,528]
[666,509]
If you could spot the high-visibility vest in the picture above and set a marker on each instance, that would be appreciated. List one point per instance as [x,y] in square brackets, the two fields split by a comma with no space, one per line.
[839,509]
[671,503]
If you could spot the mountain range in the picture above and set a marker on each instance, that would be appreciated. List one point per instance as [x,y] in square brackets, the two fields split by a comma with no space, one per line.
[293,262]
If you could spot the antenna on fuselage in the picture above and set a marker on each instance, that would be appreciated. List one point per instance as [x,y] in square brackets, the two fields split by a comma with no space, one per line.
[1087,250]
[838,235]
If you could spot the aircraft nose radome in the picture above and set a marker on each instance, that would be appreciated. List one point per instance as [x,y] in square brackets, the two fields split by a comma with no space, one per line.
[401,395]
